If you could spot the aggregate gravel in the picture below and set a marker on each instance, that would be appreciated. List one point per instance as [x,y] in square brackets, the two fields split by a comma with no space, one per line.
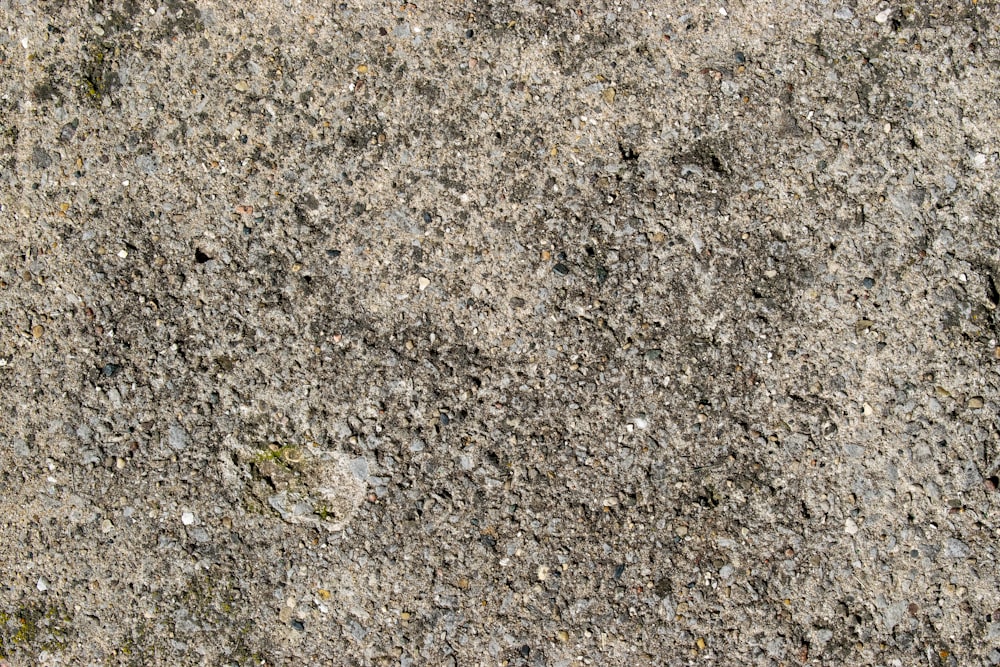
[526,333]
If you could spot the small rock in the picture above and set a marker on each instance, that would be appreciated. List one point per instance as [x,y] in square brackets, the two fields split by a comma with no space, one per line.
[868,283]
[359,468]
[854,451]
[37,331]
[43,584]
[883,16]
[956,548]
[976,402]
[68,130]
[423,283]
[20,447]
[844,14]
[187,518]
[177,437]
[40,158]
[560,269]
[892,614]
[820,637]
[317,488]
[851,526]
[970,477]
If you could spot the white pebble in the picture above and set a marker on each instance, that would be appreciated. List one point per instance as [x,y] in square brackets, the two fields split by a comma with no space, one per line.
[883,16]
[43,584]
[423,283]
[187,518]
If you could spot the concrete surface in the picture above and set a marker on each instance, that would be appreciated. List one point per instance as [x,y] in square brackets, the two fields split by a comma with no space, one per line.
[528,333]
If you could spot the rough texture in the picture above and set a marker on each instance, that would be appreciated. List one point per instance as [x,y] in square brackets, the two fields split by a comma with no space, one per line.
[649,333]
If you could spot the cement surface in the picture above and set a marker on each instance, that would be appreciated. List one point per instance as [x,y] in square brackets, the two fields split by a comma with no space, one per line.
[528,333]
